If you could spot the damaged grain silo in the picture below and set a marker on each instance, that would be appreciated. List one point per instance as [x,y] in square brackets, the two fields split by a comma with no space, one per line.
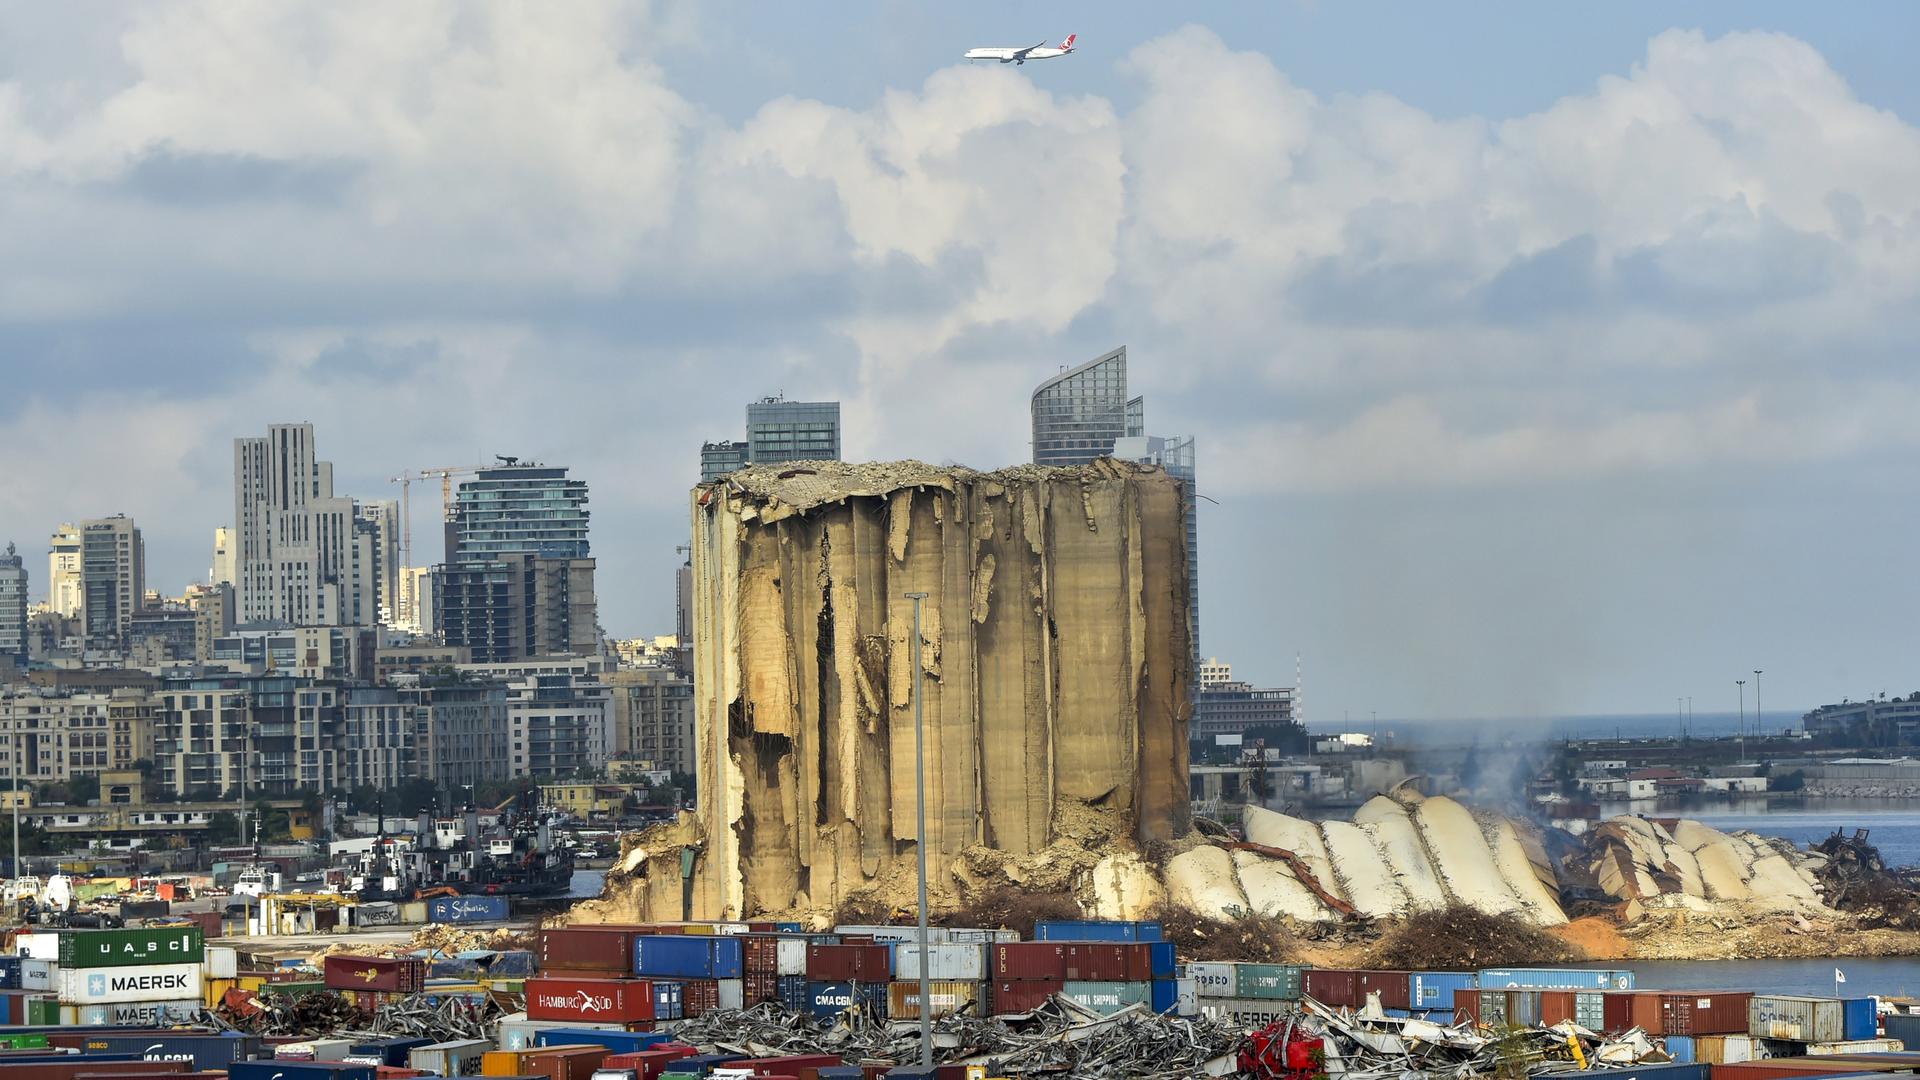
[1054,657]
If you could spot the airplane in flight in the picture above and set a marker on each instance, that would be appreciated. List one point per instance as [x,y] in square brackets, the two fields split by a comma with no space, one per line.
[1021,56]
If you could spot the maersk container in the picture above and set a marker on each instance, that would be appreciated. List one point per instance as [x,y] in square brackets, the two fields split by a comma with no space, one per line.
[1106,997]
[467,909]
[458,1058]
[1253,1012]
[689,956]
[948,963]
[1797,1018]
[1212,979]
[1556,978]
[1680,1049]
[1275,981]
[1095,930]
[1434,989]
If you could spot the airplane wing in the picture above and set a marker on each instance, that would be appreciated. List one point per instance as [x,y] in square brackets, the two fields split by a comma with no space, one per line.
[1036,45]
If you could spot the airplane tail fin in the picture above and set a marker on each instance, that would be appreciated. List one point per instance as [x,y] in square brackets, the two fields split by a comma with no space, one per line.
[1067,45]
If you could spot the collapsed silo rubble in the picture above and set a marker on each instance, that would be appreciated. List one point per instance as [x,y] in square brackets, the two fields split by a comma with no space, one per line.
[1053,654]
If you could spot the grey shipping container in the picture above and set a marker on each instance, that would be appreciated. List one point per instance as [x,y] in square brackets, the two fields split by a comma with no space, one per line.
[459,1058]
[948,963]
[1799,1019]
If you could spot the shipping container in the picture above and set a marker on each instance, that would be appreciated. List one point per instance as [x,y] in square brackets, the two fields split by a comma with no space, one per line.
[688,956]
[1704,1012]
[382,974]
[834,998]
[389,1051]
[790,1065]
[1029,960]
[1902,1026]
[562,1062]
[223,962]
[620,1042]
[1186,998]
[68,1068]
[791,956]
[1339,987]
[313,1050]
[132,948]
[698,997]
[621,1001]
[1679,1048]
[1729,1049]
[458,1058]
[970,936]
[1434,989]
[467,909]
[731,994]
[1674,1071]
[1163,995]
[1010,996]
[131,1014]
[519,1034]
[1795,1068]
[1856,1046]
[148,982]
[1625,1009]
[601,949]
[1556,978]
[1212,978]
[889,934]
[298,1070]
[41,945]
[700,1064]
[648,1064]
[954,963]
[1281,982]
[1253,1012]
[1109,962]
[1861,1018]
[205,1052]
[948,996]
[849,963]
[760,954]
[1800,1019]
[1095,930]
[1557,1006]
[1394,987]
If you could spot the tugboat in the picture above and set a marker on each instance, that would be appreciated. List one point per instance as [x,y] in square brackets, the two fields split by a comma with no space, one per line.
[522,855]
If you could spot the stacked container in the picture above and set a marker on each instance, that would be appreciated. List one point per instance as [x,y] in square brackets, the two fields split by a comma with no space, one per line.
[159,970]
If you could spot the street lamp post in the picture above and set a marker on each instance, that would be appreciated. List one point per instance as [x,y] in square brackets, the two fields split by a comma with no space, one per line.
[920,835]
[1742,684]
[1756,702]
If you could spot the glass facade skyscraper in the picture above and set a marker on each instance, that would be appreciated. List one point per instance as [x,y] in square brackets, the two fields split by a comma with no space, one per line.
[781,430]
[519,509]
[1078,414]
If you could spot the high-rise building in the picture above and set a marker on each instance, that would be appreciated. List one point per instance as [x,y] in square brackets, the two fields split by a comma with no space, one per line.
[108,576]
[63,572]
[653,716]
[777,430]
[376,529]
[212,617]
[1079,413]
[299,554]
[222,572]
[518,580]
[1085,413]
[13,605]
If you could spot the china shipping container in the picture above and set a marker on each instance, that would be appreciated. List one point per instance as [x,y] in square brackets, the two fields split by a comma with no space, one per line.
[1029,960]
[1008,996]
[1106,997]
[1095,930]
[386,974]
[581,948]
[1280,982]
[849,963]
[1434,989]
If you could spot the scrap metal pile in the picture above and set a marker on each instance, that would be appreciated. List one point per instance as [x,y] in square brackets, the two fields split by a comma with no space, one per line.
[1057,1039]
[442,1019]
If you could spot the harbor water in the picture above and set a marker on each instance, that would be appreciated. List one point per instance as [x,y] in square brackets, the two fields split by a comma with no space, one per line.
[1885,976]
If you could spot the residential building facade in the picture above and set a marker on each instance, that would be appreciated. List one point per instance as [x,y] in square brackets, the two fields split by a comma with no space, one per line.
[13,606]
[300,554]
[461,734]
[53,736]
[519,579]
[653,716]
[97,577]
[559,714]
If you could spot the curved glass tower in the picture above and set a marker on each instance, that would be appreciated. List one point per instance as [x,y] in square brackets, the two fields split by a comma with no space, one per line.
[1078,414]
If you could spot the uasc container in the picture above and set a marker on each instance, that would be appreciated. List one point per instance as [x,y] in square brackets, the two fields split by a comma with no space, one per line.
[130,948]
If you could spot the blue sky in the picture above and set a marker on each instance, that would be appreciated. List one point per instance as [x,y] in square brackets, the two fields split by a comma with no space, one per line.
[1543,359]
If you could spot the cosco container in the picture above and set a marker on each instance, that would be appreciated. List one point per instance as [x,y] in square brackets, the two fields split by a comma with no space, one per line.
[689,956]
[1281,982]
[1796,1018]
[107,986]
[1434,989]
[131,948]
[1095,930]
[458,1058]
[1212,978]
[1557,978]
[957,963]
[948,996]
[467,909]
[603,1000]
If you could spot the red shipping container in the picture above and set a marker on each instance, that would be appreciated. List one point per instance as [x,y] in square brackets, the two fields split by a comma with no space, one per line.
[760,954]
[1704,1012]
[384,974]
[1794,1068]
[1556,1006]
[394,1072]
[849,963]
[599,1000]
[759,987]
[1624,1009]
[563,1062]
[1030,960]
[1023,995]
[1466,1006]
[1108,962]
[1394,987]
[804,1066]
[1333,986]
[651,1062]
[698,997]
[579,948]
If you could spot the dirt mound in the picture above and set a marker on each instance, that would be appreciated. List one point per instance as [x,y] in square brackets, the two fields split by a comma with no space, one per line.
[1596,936]
[1462,937]
[1003,907]
[1255,938]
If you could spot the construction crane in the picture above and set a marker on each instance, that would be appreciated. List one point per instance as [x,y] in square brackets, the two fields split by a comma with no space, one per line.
[405,480]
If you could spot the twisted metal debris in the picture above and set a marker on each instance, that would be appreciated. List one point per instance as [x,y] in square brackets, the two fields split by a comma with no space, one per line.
[442,1018]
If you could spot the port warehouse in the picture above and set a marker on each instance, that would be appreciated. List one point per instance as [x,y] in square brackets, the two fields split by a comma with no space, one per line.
[94,993]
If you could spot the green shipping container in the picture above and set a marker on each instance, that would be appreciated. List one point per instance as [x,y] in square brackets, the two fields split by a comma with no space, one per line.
[295,989]
[1106,997]
[43,1011]
[132,948]
[23,1042]
[1271,982]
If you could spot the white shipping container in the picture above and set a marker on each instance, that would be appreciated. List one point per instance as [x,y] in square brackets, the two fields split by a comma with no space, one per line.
[948,963]
[1186,998]
[791,956]
[461,1058]
[150,982]
[317,1050]
[132,1014]
[730,929]
[40,946]
[1856,1046]
[1213,980]
[886,934]
[37,974]
[516,1032]
[223,962]
[970,936]
[1255,1011]
[733,993]
[413,912]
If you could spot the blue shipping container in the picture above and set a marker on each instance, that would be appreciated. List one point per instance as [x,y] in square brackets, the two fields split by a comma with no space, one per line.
[9,972]
[793,993]
[688,956]
[1557,979]
[789,928]
[1860,1020]
[208,1053]
[392,1052]
[834,998]
[1166,995]
[1680,1049]
[467,909]
[298,1070]
[1161,953]
[1676,1071]
[1095,930]
[620,1042]
[1434,989]
[841,1072]
[1902,1026]
[698,1064]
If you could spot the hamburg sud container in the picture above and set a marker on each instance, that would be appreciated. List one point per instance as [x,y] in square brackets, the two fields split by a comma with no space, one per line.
[467,909]
[1797,1019]
[131,948]
[1556,978]
[689,956]
[603,1000]
[379,974]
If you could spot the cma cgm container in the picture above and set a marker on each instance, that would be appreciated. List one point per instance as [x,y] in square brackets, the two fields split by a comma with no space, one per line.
[834,998]
[1557,978]
[1095,930]
[586,948]
[602,1000]
[378,974]
[467,909]
[130,948]
[690,956]
[204,1052]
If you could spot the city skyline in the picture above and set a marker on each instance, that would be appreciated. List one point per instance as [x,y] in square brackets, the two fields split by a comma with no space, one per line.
[1535,379]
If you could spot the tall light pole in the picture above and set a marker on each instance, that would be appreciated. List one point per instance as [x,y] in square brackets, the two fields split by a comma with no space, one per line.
[13,766]
[1756,702]
[920,836]
[1742,684]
